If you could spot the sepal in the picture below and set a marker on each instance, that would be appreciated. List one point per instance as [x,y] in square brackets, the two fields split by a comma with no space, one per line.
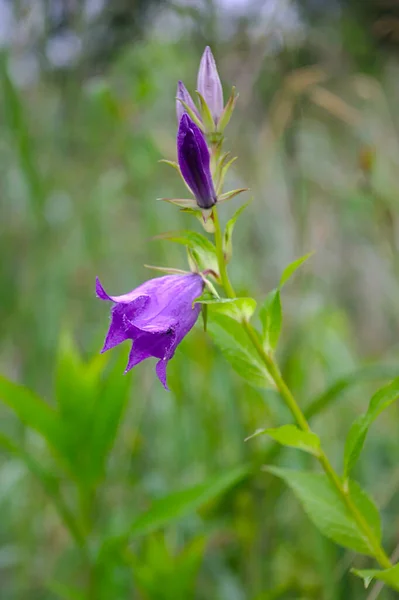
[227,111]
[191,114]
[230,195]
[206,115]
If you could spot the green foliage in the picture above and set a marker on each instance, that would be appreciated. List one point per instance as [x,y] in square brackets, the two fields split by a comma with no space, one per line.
[236,347]
[292,267]
[35,413]
[178,504]
[358,432]
[81,431]
[388,576]
[202,249]
[271,313]
[79,463]
[228,233]
[177,571]
[326,508]
[271,317]
[291,436]
[235,308]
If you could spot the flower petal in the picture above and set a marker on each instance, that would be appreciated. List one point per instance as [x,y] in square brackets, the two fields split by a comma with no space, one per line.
[194,162]
[161,372]
[183,94]
[209,85]
[155,316]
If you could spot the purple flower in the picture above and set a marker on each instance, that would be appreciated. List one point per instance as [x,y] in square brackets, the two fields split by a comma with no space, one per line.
[194,161]
[183,94]
[156,316]
[209,85]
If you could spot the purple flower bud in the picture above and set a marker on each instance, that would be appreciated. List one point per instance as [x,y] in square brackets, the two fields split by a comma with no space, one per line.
[209,85]
[156,316]
[194,162]
[183,94]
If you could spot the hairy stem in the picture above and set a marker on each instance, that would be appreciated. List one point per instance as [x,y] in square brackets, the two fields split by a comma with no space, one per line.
[296,411]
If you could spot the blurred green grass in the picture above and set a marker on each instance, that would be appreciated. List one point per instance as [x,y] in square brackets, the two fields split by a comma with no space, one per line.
[78,188]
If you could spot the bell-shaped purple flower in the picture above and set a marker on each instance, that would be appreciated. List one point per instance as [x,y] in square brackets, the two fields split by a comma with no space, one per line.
[209,85]
[156,316]
[194,162]
[183,94]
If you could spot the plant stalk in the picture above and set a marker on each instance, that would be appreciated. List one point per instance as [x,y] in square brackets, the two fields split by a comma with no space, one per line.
[291,403]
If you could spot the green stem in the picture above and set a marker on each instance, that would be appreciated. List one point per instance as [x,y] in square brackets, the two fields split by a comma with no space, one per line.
[224,277]
[295,409]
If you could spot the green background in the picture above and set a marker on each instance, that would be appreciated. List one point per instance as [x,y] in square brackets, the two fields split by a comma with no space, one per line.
[316,133]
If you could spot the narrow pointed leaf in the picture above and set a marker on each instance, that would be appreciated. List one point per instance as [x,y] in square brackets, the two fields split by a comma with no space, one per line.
[290,270]
[50,484]
[33,412]
[388,576]
[228,233]
[106,418]
[358,432]
[291,436]
[178,504]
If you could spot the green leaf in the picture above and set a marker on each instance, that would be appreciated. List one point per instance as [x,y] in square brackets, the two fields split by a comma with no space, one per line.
[334,392]
[14,118]
[236,308]
[205,251]
[233,342]
[178,504]
[290,270]
[358,432]
[66,592]
[50,484]
[271,317]
[290,435]
[76,383]
[228,233]
[33,412]
[106,417]
[328,511]
[388,576]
